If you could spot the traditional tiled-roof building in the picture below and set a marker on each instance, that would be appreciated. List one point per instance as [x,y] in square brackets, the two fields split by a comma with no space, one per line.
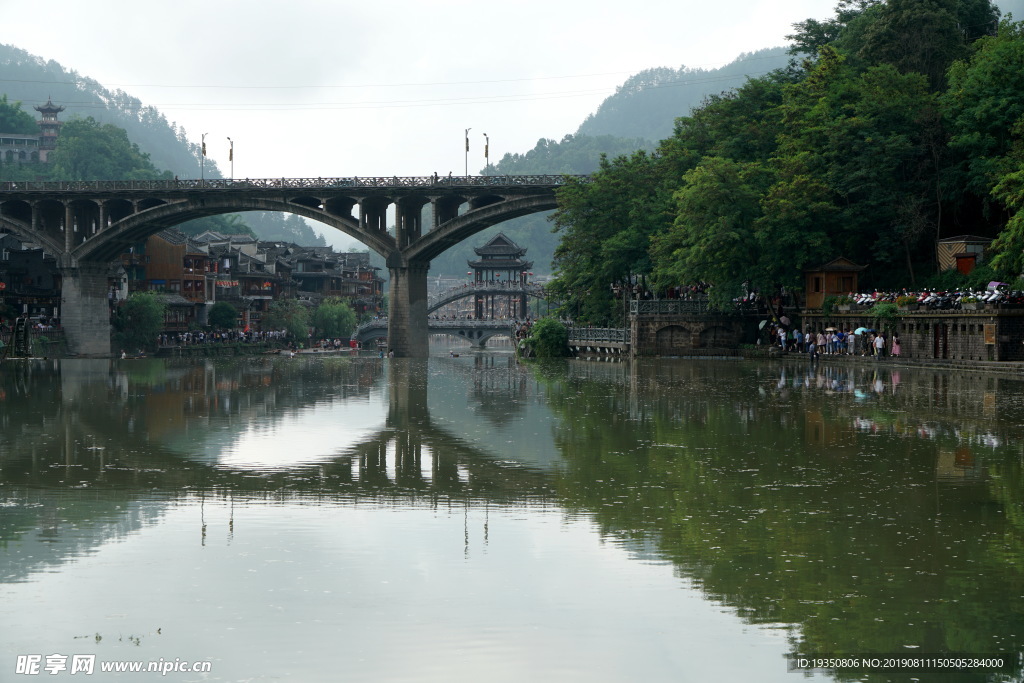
[501,262]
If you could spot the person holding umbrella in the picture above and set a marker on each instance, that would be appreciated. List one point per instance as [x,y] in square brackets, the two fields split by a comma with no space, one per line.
[858,333]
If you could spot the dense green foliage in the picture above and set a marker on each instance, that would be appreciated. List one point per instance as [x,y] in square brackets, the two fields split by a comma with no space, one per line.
[606,226]
[223,316]
[289,315]
[333,319]
[549,339]
[903,128]
[89,150]
[137,322]
[14,120]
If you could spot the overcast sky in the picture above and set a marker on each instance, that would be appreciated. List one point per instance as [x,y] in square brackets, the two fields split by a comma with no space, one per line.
[311,88]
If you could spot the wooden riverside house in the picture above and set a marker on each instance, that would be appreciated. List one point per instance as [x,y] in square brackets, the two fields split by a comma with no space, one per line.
[835,278]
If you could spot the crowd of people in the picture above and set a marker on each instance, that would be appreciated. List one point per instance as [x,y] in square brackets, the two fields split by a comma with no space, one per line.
[334,344]
[219,337]
[521,329]
[836,342]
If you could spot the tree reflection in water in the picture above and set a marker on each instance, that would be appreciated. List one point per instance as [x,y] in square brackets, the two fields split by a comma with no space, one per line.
[873,510]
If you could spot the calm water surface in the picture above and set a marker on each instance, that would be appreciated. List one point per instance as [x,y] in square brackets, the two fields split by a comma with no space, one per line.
[467,519]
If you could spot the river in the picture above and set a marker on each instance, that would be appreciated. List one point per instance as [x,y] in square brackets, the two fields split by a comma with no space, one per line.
[470,518]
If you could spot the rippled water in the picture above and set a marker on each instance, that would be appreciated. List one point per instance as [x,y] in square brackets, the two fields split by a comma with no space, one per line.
[342,518]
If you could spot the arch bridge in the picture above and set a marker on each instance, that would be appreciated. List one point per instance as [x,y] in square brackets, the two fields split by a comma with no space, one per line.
[477,332]
[482,289]
[87,224]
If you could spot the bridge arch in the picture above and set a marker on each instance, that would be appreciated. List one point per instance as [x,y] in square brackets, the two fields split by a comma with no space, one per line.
[458,293]
[672,338]
[49,243]
[137,226]
[478,337]
[459,228]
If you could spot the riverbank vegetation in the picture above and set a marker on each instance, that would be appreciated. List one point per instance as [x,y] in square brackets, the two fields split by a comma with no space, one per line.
[137,322]
[904,125]
[548,338]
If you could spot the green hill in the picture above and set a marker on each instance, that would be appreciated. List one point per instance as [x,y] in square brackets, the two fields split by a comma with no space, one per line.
[647,104]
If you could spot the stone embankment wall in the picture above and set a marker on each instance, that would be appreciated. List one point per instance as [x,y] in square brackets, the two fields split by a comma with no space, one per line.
[674,335]
[984,335]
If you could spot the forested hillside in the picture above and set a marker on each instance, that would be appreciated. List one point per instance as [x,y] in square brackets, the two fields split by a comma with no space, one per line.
[647,104]
[32,80]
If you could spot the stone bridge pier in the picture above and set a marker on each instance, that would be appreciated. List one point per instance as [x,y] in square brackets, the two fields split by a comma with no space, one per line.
[408,333]
[84,311]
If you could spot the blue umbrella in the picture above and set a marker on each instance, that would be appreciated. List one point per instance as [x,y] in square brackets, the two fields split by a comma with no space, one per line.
[861,330]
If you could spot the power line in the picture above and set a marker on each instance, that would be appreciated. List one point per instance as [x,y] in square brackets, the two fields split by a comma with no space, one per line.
[372,85]
[398,104]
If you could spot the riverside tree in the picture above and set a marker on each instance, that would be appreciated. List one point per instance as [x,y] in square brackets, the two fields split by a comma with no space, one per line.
[334,318]
[289,315]
[138,320]
[223,316]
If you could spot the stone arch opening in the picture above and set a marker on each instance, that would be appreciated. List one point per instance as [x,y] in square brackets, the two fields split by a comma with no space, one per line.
[717,337]
[672,339]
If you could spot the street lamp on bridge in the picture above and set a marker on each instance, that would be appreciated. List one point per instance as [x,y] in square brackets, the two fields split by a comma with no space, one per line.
[231,157]
[202,158]
[467,150]
[487,148]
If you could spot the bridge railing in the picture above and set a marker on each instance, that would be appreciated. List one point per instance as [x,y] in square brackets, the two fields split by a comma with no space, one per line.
[355,182]
[439,324]
[668,306]
[370,325]
[598,334]
[475,324]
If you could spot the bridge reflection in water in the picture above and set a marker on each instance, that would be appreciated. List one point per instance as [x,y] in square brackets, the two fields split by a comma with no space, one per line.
[188,427]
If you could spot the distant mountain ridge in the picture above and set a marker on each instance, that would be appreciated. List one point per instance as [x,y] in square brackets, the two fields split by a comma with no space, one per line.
[647,103]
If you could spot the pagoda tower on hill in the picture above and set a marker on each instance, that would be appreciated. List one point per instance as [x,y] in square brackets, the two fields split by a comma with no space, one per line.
[49,127]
